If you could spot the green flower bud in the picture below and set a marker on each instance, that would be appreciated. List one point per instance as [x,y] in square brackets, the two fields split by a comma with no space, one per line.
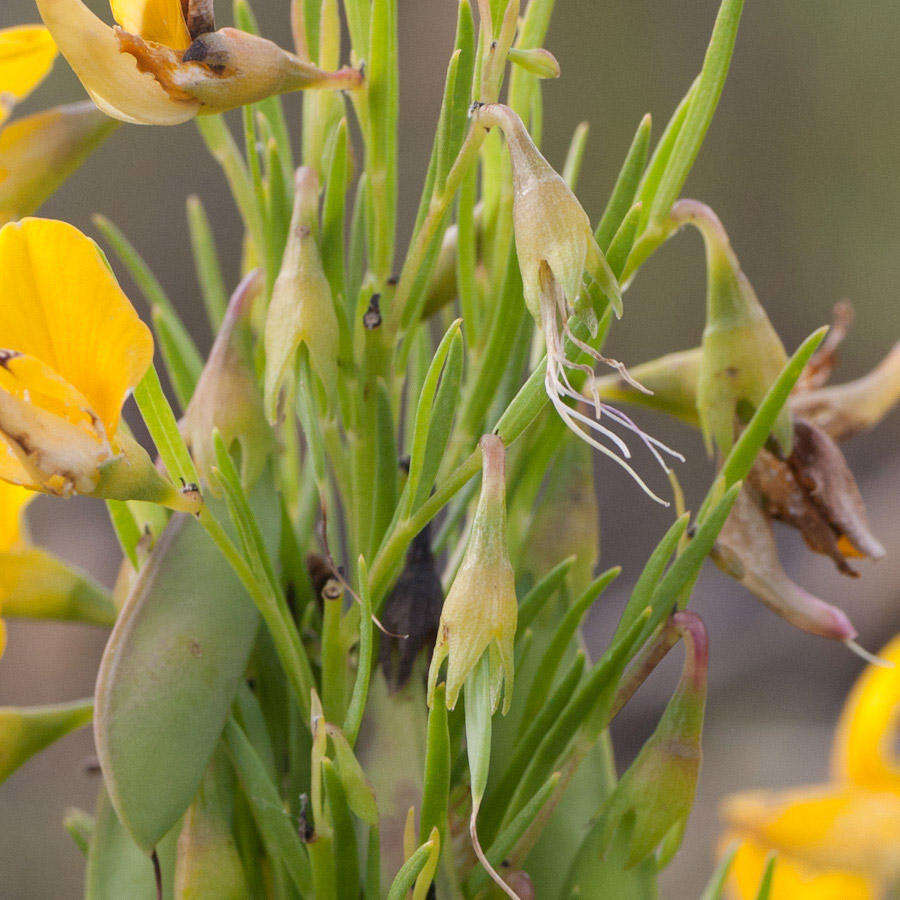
[25,731]
[742,354]
[227,397]
[538,61]
[301,310]
[658,789]
[481,609]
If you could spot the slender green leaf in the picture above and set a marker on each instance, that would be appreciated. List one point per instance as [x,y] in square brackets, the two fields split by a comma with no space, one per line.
[333,211]
[357,705]
[623,241]
[704,99]
[436,790]
[346,857]
[275,826]
[625,190]
[534,731]
[533,602]
[715,889]
[409,872]
[478,727]
[359,793]
[179,353]
[652,572]
[553,655]
[649,184]
[575,155]
[29,730]
[80,826]
[206,262]
[224,150]
[126,528]
[163,428]
[765,884]
[384,499]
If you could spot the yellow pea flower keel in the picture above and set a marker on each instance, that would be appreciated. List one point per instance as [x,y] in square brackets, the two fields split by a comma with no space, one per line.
[27,53]
[71,349]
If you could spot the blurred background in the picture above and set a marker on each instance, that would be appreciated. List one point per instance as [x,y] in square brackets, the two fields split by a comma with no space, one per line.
[801,165]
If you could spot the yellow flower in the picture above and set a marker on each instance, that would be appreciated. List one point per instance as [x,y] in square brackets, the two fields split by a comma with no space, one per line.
[160,67]
[840,840]
[38,152]
[71,349]
[27,53]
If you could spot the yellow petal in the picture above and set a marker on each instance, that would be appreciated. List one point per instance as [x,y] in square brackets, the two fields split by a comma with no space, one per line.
[27,53]
[60,304]
[53,440]
[864,749]
[154,20]
[792,880]
[825,828]
[111,77]
[36,585]
[13,500]
[38,152]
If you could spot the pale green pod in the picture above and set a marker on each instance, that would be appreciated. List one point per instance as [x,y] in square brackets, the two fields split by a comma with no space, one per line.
[117,868]
[170,672]
[207,864]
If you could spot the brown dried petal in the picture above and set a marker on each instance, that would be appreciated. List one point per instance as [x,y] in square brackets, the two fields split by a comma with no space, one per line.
[822,471]
[784,499]
[825,359]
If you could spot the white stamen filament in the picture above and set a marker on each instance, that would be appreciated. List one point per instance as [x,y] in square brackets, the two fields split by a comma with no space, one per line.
[556,382]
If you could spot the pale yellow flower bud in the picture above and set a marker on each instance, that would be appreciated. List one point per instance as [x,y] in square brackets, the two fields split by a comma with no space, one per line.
[301,310]
[481,610]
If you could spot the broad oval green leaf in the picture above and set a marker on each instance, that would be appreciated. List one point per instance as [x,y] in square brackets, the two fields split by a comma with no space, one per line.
[170,672]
